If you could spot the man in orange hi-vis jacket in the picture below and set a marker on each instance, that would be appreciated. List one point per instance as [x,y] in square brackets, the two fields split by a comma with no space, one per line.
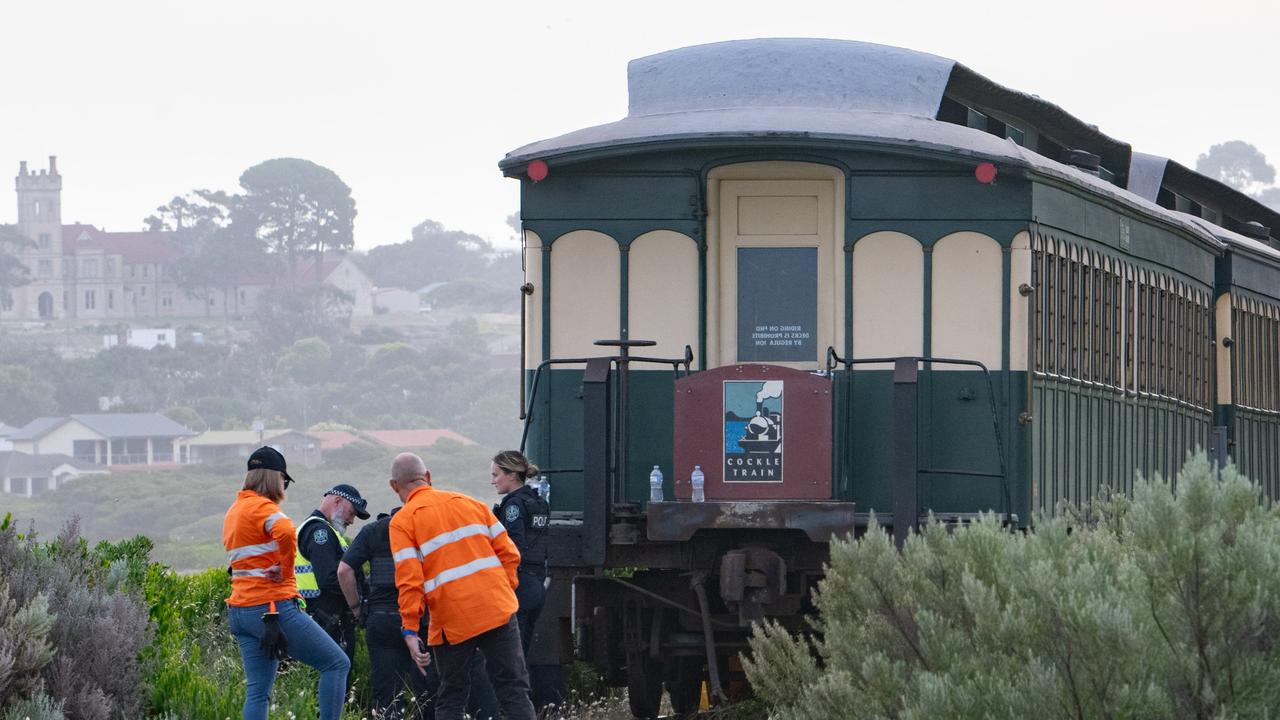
[454,559]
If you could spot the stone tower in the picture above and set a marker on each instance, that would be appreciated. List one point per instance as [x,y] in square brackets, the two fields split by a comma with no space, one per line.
[40,208]
[47,296]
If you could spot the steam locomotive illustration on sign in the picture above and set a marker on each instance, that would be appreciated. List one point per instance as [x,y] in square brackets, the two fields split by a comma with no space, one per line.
[848,280]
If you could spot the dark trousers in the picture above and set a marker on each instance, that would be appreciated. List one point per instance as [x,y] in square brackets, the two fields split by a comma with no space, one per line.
[339,623]
[531,595]
[505,662]
[394,677]
[392,671]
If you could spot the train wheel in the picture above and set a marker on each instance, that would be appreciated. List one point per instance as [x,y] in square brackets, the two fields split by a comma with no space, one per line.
[686,689]
[644,685]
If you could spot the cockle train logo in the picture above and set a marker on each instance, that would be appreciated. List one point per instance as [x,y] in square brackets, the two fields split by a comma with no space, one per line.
[753,430]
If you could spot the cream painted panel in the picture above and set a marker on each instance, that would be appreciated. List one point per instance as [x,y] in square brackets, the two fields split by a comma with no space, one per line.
[888,296]
[766,170]
[820,216]
[966,299]
[584,293]
[1019,306]
[1222,317]
[778,215]
[662,292]
[533,303]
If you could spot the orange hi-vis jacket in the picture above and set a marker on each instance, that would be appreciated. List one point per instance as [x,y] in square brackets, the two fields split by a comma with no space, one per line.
[258,537]
[453,556]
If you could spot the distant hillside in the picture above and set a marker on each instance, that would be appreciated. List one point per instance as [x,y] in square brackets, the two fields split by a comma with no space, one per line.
[181,511]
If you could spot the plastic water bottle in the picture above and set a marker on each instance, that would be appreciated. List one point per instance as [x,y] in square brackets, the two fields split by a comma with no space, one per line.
[544,489]
[698,481]
[655,485]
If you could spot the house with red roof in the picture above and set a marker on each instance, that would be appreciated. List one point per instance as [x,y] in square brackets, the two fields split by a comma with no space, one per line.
[81,271]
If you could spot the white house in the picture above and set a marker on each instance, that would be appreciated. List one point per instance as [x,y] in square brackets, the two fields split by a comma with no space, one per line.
[28,475]
[112,439]
[395,300]
[145,338]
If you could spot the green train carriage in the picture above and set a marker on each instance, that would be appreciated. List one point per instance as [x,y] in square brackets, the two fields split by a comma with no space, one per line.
[828,207]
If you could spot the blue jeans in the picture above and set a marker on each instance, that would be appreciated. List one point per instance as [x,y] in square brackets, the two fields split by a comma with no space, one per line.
[308,642]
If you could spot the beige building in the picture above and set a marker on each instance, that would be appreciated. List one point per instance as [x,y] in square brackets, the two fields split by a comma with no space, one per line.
[225,445]
[79,271]
[113,439]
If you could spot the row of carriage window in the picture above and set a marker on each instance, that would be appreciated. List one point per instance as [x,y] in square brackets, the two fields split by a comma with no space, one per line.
[1255,353]
[1102,322]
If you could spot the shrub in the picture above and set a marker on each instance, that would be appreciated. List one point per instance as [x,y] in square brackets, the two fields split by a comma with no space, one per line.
[98,622]
[1166,605]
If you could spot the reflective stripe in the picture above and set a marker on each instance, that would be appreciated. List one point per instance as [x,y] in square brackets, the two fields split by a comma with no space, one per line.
[452,536]
[248,551]
[272,520]
[461,571]
[406,554]
[497,529]
[310,594]
[299,569]
[259,572]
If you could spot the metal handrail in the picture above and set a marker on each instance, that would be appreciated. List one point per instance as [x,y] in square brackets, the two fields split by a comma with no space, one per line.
[833,359]
[527,412]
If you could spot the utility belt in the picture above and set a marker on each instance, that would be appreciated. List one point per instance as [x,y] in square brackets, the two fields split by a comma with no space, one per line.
[336,624]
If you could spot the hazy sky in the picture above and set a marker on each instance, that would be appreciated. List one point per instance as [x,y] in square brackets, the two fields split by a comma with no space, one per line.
[413,103]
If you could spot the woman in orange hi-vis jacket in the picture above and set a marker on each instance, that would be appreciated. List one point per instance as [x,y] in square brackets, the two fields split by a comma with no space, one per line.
[454,559]
[263,608]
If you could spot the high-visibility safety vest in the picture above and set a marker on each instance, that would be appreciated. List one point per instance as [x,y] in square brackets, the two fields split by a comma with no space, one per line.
[260,543]
[456,560]
[303,570]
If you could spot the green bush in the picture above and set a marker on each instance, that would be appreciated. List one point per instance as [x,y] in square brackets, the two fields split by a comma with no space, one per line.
[1165,605]
[84,624]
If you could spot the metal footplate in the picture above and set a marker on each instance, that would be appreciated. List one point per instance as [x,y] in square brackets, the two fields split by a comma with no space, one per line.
[819,519]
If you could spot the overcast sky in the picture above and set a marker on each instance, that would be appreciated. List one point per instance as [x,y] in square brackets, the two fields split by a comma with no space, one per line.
[414,103]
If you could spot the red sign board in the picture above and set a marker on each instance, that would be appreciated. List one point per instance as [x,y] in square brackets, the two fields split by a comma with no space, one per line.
[759,432]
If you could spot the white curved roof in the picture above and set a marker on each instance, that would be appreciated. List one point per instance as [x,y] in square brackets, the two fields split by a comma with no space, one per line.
[808,89]
[788,72]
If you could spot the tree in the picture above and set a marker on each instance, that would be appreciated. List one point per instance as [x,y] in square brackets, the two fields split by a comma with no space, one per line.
[306,362]
[296,206]
[187,417]
[215,250]
[13,273]
[1238,164]
[288,314]
[432,254]
[23,396]
[1166,605]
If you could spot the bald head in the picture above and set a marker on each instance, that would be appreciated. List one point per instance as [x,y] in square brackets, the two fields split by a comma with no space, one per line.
[408,473]
[408,468]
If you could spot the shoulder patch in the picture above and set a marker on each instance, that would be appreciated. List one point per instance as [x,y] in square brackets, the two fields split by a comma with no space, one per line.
[320,536]
[512,512]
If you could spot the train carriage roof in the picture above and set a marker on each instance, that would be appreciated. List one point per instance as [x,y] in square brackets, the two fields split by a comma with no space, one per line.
[840,90]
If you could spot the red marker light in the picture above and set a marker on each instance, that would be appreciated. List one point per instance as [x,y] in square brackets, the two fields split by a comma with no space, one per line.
[537,170]
[985,172]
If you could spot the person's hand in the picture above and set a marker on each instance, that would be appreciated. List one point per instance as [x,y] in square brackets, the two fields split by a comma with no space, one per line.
[275,574]
[418,651]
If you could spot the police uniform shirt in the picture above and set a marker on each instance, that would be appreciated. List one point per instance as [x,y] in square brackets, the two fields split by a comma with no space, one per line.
[373,546]
[525,515]
[319,544]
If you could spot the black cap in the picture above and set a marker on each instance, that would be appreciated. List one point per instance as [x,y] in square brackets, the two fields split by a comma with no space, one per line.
[352,495]
[268,458]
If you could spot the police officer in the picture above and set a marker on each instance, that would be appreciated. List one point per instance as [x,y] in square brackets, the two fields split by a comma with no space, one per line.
[525,515]
[390,664]
[320,546]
